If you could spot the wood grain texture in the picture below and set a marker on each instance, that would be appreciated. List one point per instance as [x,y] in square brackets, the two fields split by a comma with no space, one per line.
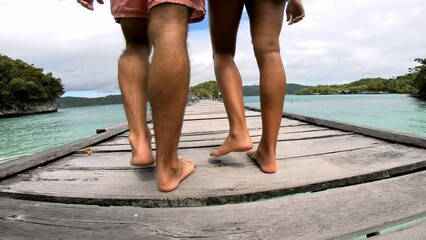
[297,132]
[392,136]
[216,139]
[411,232]
[341,213]
[230,179]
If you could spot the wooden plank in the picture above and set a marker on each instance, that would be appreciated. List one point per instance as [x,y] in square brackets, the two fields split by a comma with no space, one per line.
[332,136]
[224,180]
[342,213]
[26,162]
[224,129]
[397,137]
[286,150]
[412,232]
[222,124]
[219,137]
[357,157]
[216,125]
[220,115]
[368,131]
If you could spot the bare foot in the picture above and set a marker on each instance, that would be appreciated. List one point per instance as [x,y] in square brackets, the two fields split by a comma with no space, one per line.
[141,151]
[266,165]
[170,183]
[233,143]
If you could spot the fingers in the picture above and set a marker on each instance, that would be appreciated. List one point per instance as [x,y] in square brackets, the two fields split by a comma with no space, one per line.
[87,4]
[295,13]
[296,19]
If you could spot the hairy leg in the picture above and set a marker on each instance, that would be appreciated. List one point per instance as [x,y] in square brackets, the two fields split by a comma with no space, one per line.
[132,75]
[168,87]
[224,24]
[266,18]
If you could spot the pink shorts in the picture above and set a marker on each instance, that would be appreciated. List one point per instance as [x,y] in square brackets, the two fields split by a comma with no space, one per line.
[140,8]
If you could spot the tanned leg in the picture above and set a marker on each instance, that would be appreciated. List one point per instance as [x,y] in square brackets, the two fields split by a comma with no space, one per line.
[266,18]
[132,75]
[168,87]
[224,22]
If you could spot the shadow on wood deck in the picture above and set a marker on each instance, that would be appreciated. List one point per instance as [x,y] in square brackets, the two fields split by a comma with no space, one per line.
[331,183]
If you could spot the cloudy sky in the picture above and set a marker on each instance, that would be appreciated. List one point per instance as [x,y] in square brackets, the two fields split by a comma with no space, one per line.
[338,42]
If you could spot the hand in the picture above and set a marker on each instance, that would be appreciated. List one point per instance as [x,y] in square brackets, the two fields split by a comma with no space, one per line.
[89,3]
[295,11]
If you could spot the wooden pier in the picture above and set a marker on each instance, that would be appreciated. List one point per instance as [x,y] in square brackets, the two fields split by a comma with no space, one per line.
[334,181]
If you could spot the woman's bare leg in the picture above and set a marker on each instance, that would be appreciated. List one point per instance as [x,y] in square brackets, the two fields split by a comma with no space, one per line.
[266,18]
[224,22]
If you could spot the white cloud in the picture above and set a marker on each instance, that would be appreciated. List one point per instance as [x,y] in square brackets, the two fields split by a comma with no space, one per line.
[337,42]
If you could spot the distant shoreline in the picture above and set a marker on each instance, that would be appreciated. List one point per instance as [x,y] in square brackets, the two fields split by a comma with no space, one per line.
[29,109]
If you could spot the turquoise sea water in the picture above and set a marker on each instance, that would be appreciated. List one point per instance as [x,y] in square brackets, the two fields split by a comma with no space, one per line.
[396,112]
[34,133]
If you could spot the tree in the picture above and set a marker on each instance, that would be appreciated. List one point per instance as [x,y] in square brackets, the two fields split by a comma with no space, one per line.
[22,83]
[205,90]
[419,77]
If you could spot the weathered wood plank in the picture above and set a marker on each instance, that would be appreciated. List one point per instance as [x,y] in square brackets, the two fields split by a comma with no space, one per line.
[331,138]
[218,138]
[357,155]
[412,232]
[122,138]
[223,128]
[43,157]
[220,115]
[342,213]
[225,179]
[397,137]
[222,124]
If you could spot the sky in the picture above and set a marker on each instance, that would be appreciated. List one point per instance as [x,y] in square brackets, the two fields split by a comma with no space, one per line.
[337,42]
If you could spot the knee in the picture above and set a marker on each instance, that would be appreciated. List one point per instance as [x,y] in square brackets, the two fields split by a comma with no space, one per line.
[170,35]
[219,55]
[138,47]
[168,23]
[265,45]
[223,50]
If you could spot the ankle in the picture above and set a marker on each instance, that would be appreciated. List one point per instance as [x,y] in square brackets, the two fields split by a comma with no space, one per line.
[266,153]
[138,136]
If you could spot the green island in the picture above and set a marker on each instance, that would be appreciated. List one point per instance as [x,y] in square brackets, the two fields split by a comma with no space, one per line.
[413,83]
[66,102]
[25,89]
[210,89]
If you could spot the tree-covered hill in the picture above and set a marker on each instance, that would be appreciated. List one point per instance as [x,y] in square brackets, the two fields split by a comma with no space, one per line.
[419,78]
[413,83]
[254,90]
[366,85]
[210,89]
[205,90]
[22,85]
[65,102]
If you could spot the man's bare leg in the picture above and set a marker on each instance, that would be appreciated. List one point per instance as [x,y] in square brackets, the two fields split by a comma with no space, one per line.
[168,87]
[266,19]
[224,24]
[133,74]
